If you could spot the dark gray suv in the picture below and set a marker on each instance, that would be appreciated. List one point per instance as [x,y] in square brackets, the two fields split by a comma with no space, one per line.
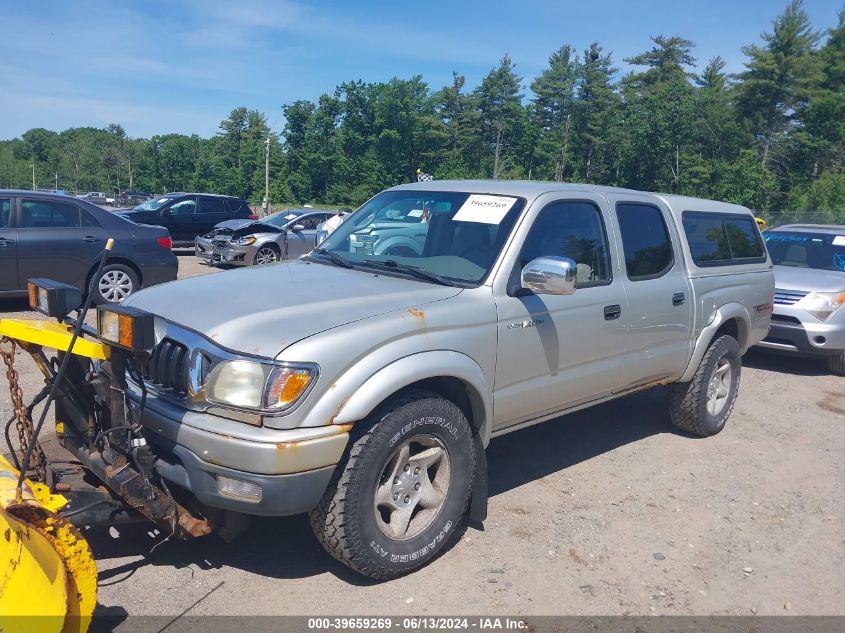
[59,237]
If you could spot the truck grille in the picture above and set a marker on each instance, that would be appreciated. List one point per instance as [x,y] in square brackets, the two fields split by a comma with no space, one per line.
[789,297]
[167,367]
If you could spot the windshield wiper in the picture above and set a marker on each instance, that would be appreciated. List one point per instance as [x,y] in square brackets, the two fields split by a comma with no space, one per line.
[412,270]
[337,259]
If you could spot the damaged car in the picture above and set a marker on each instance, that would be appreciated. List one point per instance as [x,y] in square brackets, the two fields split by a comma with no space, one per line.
[279,236]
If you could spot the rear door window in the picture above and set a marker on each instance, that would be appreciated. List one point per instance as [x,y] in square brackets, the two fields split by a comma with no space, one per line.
[212,205]
[48,214]
[722,239]
[645,240]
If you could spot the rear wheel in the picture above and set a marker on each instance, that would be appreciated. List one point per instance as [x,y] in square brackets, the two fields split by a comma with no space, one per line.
[266,255]
[115,283]
[403,491]
[836,364]
[702,406]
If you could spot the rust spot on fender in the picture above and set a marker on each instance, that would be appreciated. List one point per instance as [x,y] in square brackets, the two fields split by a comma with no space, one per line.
[417,313]
[340,406]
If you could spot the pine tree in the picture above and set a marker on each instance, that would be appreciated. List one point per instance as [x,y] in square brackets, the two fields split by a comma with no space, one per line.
[552,108]
[779,77]
[597,115]
[498,102]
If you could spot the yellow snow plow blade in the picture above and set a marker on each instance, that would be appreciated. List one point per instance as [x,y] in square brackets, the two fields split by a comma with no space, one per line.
[48,578]
[52,335]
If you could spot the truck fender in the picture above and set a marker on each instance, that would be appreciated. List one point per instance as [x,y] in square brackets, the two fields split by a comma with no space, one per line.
[721,315]
[414,368]
[398,240]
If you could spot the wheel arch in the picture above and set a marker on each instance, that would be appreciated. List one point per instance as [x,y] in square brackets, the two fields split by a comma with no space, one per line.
[452,375]
[731,319]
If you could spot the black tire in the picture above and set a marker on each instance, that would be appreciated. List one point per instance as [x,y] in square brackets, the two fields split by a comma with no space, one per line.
[836,364]
[114,284]
[688,401]
[346,521]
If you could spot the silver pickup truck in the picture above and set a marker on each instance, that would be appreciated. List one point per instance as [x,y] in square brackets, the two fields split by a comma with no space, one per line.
[364,388]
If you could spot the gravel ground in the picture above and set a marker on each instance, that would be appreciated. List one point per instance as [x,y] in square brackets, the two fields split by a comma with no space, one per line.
[607,511]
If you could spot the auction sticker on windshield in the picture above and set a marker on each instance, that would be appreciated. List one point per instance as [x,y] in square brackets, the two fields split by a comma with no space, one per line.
[484,209]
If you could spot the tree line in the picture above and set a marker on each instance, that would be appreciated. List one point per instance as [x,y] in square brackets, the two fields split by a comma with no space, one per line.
[771,137]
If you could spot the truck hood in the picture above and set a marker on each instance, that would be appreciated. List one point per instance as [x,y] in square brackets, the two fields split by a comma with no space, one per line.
[809,279]
[264,309]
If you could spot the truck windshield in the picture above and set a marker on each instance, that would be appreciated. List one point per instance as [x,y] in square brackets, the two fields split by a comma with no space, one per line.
[452,235]
[822,251]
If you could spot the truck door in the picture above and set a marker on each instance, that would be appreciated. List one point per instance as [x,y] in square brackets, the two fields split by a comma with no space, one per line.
[557,351]
[658,289]
[8,248]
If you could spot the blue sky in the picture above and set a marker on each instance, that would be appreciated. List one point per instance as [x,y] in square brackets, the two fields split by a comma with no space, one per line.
[159,66]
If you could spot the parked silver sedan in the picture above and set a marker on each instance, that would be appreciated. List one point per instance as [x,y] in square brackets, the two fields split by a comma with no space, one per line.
[279,236]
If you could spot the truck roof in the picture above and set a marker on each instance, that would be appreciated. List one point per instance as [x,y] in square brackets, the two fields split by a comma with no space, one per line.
[534,188]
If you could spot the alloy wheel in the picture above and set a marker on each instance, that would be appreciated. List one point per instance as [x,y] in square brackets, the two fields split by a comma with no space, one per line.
[412,488]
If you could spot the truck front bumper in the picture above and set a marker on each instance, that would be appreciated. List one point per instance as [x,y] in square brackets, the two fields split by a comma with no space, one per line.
[254,470]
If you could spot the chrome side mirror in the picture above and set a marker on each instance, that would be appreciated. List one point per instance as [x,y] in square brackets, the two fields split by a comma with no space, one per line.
[550,276]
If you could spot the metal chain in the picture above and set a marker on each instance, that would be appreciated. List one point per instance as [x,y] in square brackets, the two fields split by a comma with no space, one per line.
[23,422]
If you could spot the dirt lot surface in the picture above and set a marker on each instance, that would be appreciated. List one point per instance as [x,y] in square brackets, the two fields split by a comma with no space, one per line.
[606,511]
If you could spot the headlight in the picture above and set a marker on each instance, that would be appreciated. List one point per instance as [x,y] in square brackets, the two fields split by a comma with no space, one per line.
[822,304]
[259,386]
[52,298]
[245,241]
[126,327]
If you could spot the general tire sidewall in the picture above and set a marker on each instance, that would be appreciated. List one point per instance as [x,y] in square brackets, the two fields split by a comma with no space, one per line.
[423,417]
[729,346]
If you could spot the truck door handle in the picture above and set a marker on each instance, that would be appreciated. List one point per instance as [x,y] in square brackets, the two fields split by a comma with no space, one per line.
[90,239]
[678,299]
[612,312]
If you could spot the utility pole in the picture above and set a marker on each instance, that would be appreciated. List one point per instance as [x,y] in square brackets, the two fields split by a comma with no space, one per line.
[130,172]
[57,181]
[266,203]
[33,176]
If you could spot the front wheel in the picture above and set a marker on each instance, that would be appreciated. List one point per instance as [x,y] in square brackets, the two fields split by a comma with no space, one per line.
[702,406]
[266,255]
[403,490]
